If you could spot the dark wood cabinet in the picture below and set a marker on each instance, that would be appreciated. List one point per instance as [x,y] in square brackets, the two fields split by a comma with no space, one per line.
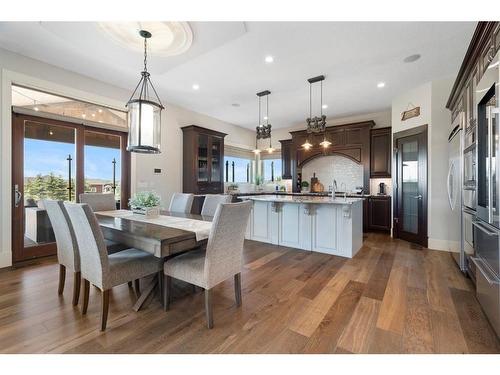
[380,152]
[286,159]
[203,159]
[378,211]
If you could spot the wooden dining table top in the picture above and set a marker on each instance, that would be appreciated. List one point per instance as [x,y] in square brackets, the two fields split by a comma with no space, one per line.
[158,240]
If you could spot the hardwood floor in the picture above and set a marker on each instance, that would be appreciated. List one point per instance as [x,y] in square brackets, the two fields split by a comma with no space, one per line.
[391,298]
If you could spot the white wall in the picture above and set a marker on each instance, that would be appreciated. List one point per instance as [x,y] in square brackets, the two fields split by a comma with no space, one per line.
[382,119]
[431,97]
[32,73]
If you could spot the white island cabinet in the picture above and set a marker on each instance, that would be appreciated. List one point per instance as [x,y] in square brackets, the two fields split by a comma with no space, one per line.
[322,224]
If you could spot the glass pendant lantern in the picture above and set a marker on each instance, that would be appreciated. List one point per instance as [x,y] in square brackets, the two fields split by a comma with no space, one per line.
[144,112]
[316,124]
[263,131]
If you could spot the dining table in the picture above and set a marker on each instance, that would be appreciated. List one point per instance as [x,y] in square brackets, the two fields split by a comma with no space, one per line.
[135,231]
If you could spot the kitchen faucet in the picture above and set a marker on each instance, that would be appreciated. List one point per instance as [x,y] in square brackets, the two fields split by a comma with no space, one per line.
[344,190]
[334,188]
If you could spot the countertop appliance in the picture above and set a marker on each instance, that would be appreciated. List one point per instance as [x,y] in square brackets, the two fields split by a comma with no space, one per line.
[487,225]
[454,188]
[381,188]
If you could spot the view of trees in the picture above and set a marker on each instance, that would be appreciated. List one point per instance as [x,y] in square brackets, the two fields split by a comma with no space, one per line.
[49,187]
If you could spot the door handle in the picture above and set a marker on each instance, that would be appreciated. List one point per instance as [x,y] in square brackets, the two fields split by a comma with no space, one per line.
[418,196]
[478,263]
[480,226]
[17,196]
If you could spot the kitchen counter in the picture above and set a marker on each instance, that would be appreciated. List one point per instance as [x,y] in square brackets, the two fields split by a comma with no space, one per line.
[313,223]
[281,193]
[301,199]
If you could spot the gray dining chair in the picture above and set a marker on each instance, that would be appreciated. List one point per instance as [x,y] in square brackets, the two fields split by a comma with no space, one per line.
[212,201]
[221,260]
[67,248]
[97,267]
[99,201]
[181,203]
[103,202]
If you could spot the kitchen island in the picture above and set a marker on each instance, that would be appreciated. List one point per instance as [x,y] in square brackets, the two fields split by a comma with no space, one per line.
[322,224]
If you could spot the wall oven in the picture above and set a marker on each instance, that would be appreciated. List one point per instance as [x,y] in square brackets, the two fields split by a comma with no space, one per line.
[487,226]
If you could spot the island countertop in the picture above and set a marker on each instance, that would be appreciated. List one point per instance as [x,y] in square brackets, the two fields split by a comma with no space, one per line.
[301,199]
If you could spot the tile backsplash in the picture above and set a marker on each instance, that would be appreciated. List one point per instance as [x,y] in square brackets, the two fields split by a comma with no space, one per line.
[328,168]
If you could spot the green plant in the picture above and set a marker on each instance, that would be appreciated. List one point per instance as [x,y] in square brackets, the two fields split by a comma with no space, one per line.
[304,184]
[144,199]
[259,180]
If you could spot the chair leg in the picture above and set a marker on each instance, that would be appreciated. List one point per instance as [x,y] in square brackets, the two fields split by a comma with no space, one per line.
[76,287]
[208,308]
[237,288]
[86,292]
[160,283]
[62,279]
[137,287]
[130,284]
[104,308]
[167,284]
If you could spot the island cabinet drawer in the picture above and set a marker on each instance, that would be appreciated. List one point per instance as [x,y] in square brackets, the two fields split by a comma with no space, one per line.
[294,226]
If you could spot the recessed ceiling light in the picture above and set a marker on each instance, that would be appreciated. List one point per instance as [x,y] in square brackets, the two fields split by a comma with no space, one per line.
[380,85]
[324,106]
[100,120]
[93,114]
[235,104]
[100,110]
[411,58]
[84,115]
[196,86]
[269,59]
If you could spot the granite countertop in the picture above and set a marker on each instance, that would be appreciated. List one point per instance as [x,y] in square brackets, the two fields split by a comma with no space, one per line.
[324,194]
[301,199]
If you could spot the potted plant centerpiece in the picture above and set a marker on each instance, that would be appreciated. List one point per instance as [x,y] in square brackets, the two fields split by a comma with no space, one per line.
[259,180]
[304,187]
[146,203]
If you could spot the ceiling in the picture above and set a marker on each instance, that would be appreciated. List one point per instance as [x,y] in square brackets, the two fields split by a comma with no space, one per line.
[226,60]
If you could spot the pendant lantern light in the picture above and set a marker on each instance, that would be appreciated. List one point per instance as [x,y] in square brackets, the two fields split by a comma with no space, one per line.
[144,112]
[316,124]
[263,131]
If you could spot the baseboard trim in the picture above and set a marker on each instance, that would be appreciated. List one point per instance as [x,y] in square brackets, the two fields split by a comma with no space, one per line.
[5,259]
[443,245]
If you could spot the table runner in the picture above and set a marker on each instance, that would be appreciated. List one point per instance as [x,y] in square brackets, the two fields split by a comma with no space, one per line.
[200,228]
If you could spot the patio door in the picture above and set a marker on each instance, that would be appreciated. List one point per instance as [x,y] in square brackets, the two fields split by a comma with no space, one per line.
[54,159]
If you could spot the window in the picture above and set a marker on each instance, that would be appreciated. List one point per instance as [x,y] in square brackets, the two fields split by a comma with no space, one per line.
[237,169]
[271,169]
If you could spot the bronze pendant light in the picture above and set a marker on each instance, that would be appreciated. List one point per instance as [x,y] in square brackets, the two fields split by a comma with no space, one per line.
[263,131]
[144,112]
[316,124]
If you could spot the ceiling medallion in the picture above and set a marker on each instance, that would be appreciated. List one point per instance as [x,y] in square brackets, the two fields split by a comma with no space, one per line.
[316,124]
[171,38]
[144,112]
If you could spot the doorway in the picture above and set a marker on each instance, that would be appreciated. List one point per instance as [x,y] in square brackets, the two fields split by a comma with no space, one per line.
[54,159]
[410,193]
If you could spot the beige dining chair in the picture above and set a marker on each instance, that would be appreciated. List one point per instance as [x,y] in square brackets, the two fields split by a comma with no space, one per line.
[212,201]
[221,260]
[103,202]
[67,248]
[97,267]
[181,203]
[99,201]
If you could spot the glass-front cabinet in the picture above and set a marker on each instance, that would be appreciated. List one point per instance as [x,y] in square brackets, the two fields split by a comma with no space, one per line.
[203,155]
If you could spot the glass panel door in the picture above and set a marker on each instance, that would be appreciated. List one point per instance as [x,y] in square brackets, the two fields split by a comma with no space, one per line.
[102,163]
[49,173]
[215,155]
[410,186]
[202,158]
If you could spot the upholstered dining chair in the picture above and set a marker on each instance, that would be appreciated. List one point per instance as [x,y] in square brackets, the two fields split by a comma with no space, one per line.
[212,201]
[97,267]
[99,201]
[67,248]
[181,203]
[103,202]
[221,260]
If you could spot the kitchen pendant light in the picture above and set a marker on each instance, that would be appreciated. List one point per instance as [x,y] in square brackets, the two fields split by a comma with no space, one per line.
[144,112]
[316,124]
[263,131]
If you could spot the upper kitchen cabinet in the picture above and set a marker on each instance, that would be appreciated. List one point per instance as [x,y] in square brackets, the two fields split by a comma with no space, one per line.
[380,152]
[203,158]
[286,159]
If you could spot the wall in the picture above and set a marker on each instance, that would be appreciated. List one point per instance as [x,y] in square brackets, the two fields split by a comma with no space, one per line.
[339,168]
[431,97]
[32,73]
